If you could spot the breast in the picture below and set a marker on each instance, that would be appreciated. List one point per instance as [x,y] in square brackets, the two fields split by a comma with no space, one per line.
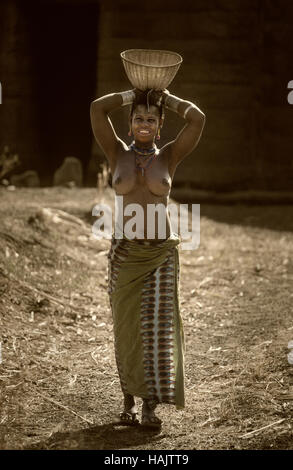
[159,186]
[123,182]
[156,180]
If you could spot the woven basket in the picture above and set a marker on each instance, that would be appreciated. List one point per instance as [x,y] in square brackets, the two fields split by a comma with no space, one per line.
[146,68]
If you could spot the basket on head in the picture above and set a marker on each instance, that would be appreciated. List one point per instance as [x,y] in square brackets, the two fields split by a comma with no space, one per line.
[147,68]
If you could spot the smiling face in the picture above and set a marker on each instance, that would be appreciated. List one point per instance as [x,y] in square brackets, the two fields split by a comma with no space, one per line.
[145,124]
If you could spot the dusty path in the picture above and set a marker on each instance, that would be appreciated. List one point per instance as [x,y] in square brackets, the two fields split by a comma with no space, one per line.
[58,382]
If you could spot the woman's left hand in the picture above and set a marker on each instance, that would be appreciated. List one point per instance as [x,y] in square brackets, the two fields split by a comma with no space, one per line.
[159,96]
[165,93]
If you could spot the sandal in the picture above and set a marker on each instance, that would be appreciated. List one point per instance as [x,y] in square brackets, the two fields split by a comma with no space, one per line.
[147,421]
[128,419]
[151,422]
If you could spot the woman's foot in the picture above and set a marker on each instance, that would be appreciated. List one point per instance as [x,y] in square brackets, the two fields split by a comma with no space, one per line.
[149,419]
[128,416]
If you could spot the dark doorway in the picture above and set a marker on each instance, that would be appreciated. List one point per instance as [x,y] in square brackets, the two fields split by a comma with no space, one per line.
[63,45]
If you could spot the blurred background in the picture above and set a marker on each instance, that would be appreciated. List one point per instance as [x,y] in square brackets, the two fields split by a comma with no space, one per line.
[57,56]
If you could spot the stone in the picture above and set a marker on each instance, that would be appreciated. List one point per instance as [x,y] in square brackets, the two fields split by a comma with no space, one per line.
[69,172]
[28,179]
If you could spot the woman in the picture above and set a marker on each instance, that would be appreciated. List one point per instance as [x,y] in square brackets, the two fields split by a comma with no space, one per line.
[143,269]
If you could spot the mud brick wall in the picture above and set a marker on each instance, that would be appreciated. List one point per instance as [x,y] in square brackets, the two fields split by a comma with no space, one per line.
[237,64]
[17,118]
[47,70]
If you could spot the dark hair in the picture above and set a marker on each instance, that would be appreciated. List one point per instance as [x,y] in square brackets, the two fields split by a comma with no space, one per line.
[145,99]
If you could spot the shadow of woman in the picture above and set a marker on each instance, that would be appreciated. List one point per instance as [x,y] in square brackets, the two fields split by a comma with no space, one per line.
[110,436]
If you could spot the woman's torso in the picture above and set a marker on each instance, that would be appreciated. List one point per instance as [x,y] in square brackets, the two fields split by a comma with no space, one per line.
[151,187]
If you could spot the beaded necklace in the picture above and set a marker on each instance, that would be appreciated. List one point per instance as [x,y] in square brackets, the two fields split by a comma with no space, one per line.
[150,154]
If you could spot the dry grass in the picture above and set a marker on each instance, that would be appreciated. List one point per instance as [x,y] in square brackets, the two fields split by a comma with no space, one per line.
[58,371]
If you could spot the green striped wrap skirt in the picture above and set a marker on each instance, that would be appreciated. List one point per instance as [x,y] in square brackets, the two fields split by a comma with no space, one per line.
[143,288]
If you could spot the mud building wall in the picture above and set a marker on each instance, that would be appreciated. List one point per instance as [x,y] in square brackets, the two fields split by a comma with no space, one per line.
[237,64]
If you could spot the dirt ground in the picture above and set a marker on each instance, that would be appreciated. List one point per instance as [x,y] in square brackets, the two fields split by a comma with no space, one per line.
[58,381]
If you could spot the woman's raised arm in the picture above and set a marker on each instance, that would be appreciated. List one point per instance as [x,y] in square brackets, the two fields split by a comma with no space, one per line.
[189,136]
[102,126]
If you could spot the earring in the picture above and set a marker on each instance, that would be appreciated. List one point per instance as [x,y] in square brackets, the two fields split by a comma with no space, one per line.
[158,136]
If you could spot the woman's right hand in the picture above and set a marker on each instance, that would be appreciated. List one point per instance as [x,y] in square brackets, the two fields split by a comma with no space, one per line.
[137,92]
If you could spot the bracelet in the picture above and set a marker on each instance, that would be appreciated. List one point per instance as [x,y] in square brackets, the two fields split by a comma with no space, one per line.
[186,110]
[127,97]
[172,103]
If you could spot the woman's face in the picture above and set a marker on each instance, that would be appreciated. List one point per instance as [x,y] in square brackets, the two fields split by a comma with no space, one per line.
[145,123]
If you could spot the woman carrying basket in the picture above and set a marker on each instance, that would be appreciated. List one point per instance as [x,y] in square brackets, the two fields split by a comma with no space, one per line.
[143,272]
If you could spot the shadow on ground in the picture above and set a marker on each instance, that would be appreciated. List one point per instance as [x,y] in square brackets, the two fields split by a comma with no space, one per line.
[104,437]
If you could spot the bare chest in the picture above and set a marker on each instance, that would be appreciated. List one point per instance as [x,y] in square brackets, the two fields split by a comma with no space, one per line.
[153,179]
